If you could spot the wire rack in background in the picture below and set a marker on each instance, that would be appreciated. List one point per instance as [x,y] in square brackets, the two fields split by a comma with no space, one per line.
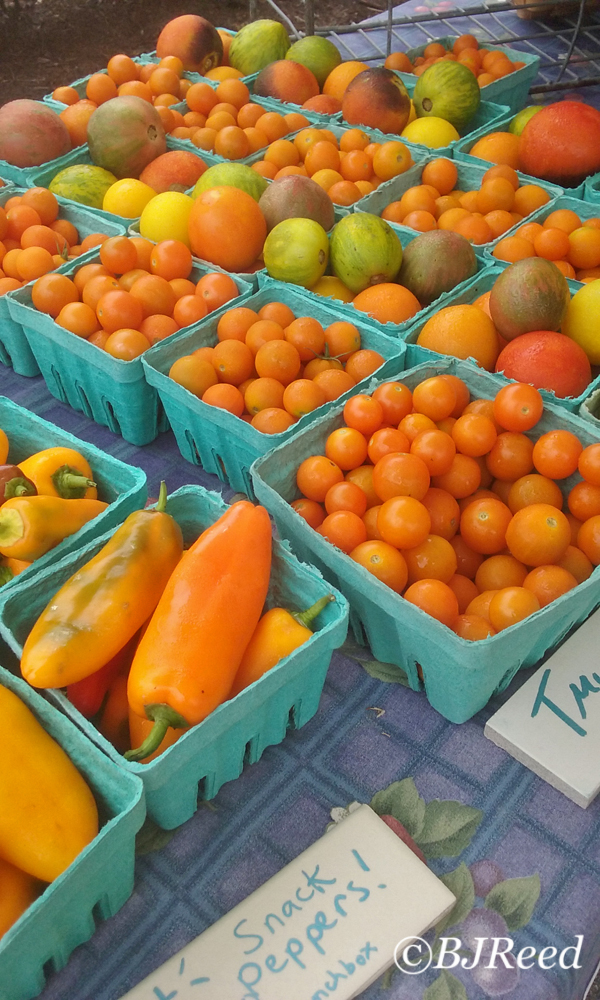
[569,46]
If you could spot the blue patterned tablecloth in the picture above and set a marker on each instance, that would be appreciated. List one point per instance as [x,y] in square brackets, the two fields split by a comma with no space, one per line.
[488,820]
[500,834]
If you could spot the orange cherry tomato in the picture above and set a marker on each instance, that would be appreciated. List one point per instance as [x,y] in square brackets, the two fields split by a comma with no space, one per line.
[403,522]
[382,561]
[483,525]
[435,598]
[518,407]
[538,535]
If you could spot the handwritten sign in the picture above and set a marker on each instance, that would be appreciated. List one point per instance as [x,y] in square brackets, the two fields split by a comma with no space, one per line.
[552,723]
[326,925]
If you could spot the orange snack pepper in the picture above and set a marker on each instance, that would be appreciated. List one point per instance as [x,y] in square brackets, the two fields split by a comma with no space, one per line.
[188,657]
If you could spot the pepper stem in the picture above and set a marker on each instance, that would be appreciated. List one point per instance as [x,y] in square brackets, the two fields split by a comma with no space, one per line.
[19,487]
[307,617]
[6,575]
[162,498]
[70,484]
[164,717]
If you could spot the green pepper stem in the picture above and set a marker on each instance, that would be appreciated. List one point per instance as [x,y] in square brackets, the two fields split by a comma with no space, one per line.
[162,498]
[307,617]
[6,575]
[19,487]
[164,717]
[70,484]
[72,481]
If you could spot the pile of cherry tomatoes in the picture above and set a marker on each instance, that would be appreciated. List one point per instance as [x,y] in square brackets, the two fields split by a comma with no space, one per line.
[451,504]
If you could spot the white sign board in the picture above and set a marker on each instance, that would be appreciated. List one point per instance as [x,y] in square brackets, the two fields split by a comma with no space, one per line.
[552,723]
[326,925]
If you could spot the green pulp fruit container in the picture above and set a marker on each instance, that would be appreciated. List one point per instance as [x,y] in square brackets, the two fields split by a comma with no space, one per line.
[317,118]
[466,295]
[347,311]
[420,154]
[15,352]
[585,210]
[313,118]
[147,57]
[512,90]
[459,677]
[216,439]
[246,280]
[44,175]
[590,407]
[463,148]
[591,191]
[23,175]
[485,117]
[470,177]
[100,880]
[121,486]
[463,152]
[81,84]
[110,391]
[239,730]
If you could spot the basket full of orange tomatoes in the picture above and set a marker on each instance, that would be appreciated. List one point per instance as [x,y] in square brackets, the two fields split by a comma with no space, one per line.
[460,519]
[481,203]
[38,234]
[505,75]
[243,381]
[88,325]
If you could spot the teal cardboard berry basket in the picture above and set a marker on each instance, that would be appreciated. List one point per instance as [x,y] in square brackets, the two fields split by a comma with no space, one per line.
[81,84]
[239,730]
[347,311]
[110,391]
[21,175]
[420,155]
[466,295]
[484,119]
[590,408]
[15,352]
[246,280]
[216,439]
[121,486]
[153,57]
[317,118]
[512,90]
[470,177]
[464,147]
[100,880]
[458,677]
[591,188]
[585,210]
[313,118]
[44,175]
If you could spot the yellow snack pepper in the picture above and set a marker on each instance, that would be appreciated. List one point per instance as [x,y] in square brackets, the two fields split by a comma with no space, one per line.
[278,633]
[3,447]
[101,607]
[60,472]
[31,526]
[48,813]
[18,892]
